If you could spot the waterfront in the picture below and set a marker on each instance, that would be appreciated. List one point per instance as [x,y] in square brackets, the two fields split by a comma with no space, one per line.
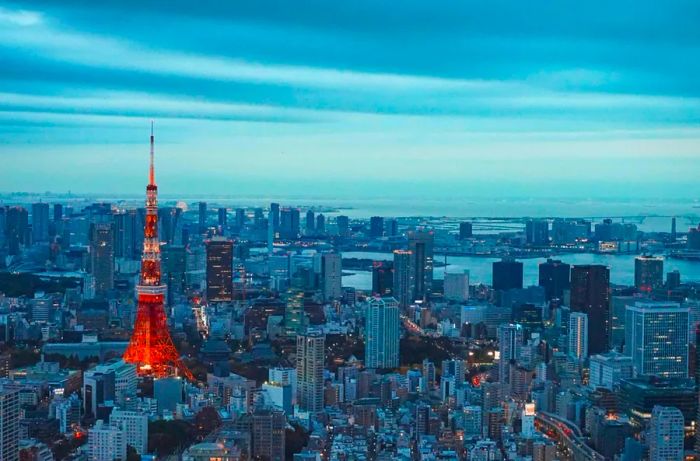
[621,267]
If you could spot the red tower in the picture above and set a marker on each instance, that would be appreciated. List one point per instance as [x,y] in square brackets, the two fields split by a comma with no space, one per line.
[151,348]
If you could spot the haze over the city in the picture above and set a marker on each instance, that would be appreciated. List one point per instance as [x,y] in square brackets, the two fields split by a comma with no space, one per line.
[424,99]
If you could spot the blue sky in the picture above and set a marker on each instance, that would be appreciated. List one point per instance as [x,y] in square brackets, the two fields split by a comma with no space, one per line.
[364,97]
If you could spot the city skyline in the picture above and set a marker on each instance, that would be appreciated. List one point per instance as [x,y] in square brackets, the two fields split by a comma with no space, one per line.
[479,99]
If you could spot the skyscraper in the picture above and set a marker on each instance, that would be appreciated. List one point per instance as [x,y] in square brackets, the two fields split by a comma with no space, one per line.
[590,293]
[648,272]
[343,224]
[102,257]
[403,277]
[376,226]
[268,430]
[289,223]
[310,222]
[555,278]
[382,333]
[275,216]
[510,342]
[465,230]
[382,278]
[9,425]
[578,336]
[294,317]
[40,222]
[507,274]
[537,231]
[420,243]
[332,276]
[223,217]
[203,222]
[219,269]
[320,224]
[16,225]
[656,337]
[310,358]
[666,434]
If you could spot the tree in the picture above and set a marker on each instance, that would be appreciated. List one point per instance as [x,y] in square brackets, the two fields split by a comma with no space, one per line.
[206,421]
[132,454]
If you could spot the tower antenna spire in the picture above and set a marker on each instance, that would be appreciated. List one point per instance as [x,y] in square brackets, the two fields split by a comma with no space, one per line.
[152,171]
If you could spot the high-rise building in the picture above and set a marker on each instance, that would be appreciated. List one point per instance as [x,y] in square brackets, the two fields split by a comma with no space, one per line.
[656,337]
[9,425]
[203,221]
[465,230]
[57,212]
[310,222]
[134,424]
[420,243]
[648,272]
[289,223]
[320,224]
[102,257]
[403,277]
[666,434]
[376,227]
[40,222]
[607,370]
[510,342]
[590,293]
[310,359]
[219,269]
[673,279]
[223,217]
[343,224]
[555,278]
[578,336]
[537,231]
[275,216]
[382,278]
[294,317]
[106,443]
[382,333]
[240,218]
[268,430]
[392,227]
[332,276]
[16,226]
[507,274]
[456,286]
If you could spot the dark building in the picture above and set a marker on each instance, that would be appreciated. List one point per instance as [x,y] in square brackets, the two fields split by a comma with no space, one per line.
[638,396]
[343,224]
[310,222]
[202,216]
[590,293]
[554,278]
[320,224]
[507,274]
[40,222]
[240,218]
[223,217]
[673,280]
[376,226]
[57,212]
[537,231]
[648,272]
[174,268]
[289,223]
[16,229]
[420,244]
[694,238]
[102,258]
[392,227]
[168,223]
[275,216]
[382,278]
[128,235]
[219,269]
[465,230]
[268,431]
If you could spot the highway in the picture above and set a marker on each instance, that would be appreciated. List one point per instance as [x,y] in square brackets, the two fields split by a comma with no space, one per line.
[569,437]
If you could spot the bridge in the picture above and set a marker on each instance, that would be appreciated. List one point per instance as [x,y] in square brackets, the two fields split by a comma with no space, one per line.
[571,441]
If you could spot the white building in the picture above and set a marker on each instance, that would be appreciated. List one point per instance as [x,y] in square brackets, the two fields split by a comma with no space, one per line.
[666,434]
[528,421]
[283,375]
[135,427]
[606,370]
[578,336]
[106,443]
[382,333]
[9,425]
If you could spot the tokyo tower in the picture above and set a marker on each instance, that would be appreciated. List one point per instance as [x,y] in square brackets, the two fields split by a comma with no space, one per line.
[151,348]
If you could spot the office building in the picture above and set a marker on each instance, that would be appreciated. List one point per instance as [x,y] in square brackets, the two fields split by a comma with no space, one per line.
[203,221]
[40,222]
[376,227]
[656,337]
[382,333]
[134,425]
[554,278]
[382,278]
[404,278]
[268,430]
[590,293]
[294,317]
[168,393]
[648,272]
[465,230]
[310,222]
[289,223]
[9,425]
[507,274]
[332,276]
[666,434]
[320,224]
[537,231]
[275,217]
[223,217]
[219,269]
[608,370]
[343,225]
[420,243]
[102,258]
[106,443]
[578,336]
[16,229]
[456,286]
[310,360]
[510,342]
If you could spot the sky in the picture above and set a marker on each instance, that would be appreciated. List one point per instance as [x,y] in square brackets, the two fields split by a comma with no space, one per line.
[360,98]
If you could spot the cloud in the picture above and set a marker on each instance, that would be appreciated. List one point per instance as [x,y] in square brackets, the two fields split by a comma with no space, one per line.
[22,18]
